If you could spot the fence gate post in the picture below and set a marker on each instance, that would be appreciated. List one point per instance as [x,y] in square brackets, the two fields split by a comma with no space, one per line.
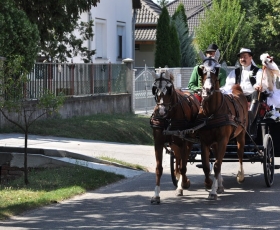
[130,81]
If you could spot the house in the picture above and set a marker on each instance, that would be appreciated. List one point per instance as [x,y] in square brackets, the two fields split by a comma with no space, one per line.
[146,23]
[113,31]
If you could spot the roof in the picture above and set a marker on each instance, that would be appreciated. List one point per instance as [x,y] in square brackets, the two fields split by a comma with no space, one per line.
[147,16]
[145,33]
[194,10]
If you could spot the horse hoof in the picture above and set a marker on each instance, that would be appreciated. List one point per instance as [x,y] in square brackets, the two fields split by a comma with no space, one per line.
[239,181]
[208,186]
[212,197]
[179,192]
[155,200]
[186,185]
[220,190]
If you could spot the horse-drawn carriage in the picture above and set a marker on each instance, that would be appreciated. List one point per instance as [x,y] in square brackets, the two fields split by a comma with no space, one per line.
[217,131]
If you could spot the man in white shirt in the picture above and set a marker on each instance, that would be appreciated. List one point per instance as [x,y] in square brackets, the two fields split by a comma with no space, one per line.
[249,77]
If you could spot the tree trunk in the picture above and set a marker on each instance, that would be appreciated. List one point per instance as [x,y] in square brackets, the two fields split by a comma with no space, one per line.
[25,157]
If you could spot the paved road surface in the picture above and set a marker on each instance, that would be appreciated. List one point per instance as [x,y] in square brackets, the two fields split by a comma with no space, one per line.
[126,204]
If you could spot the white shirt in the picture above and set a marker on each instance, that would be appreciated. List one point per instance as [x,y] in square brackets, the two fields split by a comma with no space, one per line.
[244,82]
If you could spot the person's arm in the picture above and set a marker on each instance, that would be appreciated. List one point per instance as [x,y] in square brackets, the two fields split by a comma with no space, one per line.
[260,82]
[230,81]
[194,83]
[222,77]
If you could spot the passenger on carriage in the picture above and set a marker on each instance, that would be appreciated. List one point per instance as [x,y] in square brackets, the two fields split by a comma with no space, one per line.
[271,77]
[249,77]
[195,83]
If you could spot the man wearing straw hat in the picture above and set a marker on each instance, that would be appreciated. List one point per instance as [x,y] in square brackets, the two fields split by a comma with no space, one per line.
[249,77]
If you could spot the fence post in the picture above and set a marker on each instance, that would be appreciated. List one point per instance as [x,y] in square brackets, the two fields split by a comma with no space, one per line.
[130,81]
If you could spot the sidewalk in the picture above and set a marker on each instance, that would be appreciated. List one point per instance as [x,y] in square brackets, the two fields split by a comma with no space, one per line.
[83,149]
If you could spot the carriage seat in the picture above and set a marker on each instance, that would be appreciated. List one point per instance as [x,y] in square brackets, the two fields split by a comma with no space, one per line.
[197,93]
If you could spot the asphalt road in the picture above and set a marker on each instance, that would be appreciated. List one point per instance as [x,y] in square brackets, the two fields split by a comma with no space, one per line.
[126,204]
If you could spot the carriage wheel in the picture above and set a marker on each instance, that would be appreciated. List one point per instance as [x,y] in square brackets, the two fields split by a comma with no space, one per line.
[268,160]
[172,168]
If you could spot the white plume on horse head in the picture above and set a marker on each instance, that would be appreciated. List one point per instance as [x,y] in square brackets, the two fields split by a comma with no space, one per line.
[217,55]
[202,56]
[155,75]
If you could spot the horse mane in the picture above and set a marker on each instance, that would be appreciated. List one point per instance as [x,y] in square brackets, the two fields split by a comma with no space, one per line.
[236,89]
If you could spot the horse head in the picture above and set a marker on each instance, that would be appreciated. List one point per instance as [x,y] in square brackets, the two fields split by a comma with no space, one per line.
[209,72]
[163,90]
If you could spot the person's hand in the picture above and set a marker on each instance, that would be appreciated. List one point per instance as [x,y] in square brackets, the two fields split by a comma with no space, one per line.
[258,88]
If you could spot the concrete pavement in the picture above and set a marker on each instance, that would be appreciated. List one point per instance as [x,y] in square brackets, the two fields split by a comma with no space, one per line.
[87,152]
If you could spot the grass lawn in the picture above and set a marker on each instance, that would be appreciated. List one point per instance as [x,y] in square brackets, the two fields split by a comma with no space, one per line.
[54,185]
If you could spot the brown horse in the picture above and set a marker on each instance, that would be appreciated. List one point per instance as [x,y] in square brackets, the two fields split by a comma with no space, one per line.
[174,110]
[226,118]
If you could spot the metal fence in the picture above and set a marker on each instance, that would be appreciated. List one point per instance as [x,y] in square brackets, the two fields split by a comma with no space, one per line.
[77,79]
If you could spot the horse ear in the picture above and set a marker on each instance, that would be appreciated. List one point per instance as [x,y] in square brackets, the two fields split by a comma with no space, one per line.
[217,55]
[167,74]
[202,56]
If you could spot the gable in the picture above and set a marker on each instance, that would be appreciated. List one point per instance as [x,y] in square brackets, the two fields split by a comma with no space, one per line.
[147,16]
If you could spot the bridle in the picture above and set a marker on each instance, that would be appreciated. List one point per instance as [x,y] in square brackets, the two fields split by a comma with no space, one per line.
[160,89]
[210,67]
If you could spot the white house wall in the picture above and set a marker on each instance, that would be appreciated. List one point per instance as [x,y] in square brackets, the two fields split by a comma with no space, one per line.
[111,17]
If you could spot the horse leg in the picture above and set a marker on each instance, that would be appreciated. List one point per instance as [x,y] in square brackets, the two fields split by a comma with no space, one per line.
[220,189]
[240,151]
[184,182]
[206,166]
[220,151]
[159,140]
[180,172]
[220,178]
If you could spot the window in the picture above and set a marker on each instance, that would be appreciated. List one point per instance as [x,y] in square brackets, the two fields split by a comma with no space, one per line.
[120,47]
[120,40]
[101,38]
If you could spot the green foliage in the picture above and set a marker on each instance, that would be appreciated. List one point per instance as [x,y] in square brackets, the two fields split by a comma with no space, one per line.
[163,47]
[50,186]
[162,3]
[175,55]
[225,25]
[186,47]
[56,20]
[180,11]
[18,36]
[123,128]
[267,28]
[13,99]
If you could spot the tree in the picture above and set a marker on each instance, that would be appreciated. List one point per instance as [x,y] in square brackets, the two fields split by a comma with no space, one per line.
[163,47]
[225,25]
[187,49]
[267,28]
[175,55]
[56,21]
[162,3]
[255,12]
[14,100]
[18,36]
